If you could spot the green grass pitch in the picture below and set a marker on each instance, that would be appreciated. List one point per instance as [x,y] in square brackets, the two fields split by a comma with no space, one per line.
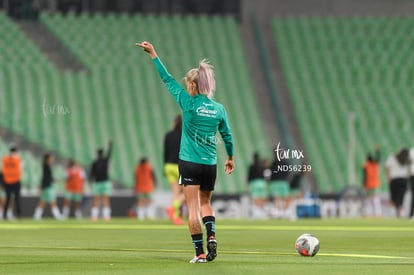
[127,246]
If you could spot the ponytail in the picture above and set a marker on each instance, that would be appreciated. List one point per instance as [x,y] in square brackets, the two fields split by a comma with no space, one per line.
[206,80]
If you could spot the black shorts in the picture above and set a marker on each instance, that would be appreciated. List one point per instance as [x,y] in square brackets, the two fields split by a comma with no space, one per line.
[197,174]
[398,187]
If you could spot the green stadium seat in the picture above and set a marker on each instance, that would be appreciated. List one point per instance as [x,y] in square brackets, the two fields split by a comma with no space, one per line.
[336,65]
[121,97]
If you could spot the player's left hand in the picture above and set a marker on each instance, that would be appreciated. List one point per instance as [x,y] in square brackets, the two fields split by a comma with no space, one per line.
[229,166]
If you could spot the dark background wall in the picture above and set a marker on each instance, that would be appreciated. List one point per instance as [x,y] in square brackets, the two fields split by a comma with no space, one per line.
[30,8]
[239,8]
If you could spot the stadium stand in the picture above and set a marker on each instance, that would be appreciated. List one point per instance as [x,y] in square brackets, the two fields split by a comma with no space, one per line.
[121,97]
[340,65]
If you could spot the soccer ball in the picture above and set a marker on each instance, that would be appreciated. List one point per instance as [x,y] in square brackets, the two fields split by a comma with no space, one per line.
[307,245]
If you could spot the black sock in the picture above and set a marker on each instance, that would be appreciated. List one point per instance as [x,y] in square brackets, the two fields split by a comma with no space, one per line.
[210,224]
[198,243]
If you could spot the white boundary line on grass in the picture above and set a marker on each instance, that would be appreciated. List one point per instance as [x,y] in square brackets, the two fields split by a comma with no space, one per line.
[268,253]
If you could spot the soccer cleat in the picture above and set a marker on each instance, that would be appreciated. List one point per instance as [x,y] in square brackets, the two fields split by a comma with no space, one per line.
[178,221]
[170,212]
[211,249]
[200,259]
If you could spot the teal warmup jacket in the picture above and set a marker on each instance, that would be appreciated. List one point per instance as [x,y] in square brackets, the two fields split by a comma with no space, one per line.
[202,118]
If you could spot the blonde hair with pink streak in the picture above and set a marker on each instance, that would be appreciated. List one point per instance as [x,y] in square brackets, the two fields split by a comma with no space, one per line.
[203,77]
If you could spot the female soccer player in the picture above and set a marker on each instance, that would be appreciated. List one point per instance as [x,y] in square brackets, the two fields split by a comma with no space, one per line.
[12,173]
[102,186]
[202,118]
[397,174]
[144,187]
[47,190]
[172,142]
[75,177]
